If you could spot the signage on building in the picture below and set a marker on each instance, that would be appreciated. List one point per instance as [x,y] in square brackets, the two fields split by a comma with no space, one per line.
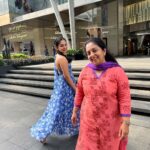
[138,27]
[19,36]
[17,28]
[17,32]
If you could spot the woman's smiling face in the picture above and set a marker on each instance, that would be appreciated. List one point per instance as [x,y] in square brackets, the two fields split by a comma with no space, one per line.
[62,47]
[95,54]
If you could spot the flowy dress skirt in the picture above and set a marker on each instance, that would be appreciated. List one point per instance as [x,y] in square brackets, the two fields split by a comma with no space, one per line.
[56,119]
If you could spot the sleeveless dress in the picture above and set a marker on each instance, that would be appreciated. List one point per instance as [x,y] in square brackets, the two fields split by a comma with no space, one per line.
[56,119]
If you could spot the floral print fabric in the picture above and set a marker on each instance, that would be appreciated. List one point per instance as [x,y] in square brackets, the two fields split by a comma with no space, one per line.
[56,119]
[102,101]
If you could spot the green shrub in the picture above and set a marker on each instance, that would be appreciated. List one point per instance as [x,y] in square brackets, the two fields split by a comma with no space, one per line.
[28,61]
[1,57]
[79,54]
[76,54]
[71,52]
[1,62]
[19,56]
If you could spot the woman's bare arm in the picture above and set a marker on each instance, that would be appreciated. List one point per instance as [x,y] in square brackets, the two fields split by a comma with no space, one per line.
[63,63]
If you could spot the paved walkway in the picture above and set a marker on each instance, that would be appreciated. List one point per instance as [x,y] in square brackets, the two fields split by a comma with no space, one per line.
[17,114]
[125,62]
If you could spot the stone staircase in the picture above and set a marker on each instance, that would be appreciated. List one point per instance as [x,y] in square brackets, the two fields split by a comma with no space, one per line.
[38,81]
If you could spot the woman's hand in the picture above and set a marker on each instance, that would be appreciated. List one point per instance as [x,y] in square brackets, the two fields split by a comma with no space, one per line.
[74,118]
[74,89]
[124,130]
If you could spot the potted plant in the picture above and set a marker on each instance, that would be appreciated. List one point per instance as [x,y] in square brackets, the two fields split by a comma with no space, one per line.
[79,54]
[71,53]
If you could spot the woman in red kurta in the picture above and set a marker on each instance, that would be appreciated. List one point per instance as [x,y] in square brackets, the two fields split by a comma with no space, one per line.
[103,97]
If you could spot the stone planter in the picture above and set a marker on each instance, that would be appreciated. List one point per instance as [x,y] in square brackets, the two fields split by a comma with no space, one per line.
[5,69]
[79,56]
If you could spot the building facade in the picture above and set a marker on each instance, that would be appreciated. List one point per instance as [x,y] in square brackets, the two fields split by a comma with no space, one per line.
[124,25]
[137,27]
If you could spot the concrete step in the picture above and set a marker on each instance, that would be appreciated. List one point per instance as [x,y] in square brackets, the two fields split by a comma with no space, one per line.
[39,72]
[143,95]
[42,72]
[45,71]
[137,105]
[29,77]
[30,83]
[132,76]
[137,70]
[139,84]
[44,68]
[50,77]
[39,92]
[140,107]
[143,74]
[37,77]
[34,67]
[143,85]
[37,67]
[138,76]
[135,94]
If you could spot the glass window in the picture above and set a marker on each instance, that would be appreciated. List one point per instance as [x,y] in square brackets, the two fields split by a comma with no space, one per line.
[138,12]
[39,5]
[62,1]
[21,7]
[3,7]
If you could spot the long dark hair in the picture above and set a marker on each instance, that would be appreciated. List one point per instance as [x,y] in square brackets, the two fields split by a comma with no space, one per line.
[56,43]
[99,42]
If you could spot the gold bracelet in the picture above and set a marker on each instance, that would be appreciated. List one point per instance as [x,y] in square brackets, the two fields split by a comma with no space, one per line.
[126,122]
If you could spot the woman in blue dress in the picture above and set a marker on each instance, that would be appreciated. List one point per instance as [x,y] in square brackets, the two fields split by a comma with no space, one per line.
[56,119]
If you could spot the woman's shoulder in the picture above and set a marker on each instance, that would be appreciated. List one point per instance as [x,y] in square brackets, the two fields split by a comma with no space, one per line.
[60,59]
[85,70]
[117,69]
[118,72]
[59,56]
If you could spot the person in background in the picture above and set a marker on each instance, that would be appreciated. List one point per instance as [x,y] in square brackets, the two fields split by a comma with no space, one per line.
[54,50]
[32,51]
[25,50]
[26,6]
[56,119]
[46,51]
[103,97]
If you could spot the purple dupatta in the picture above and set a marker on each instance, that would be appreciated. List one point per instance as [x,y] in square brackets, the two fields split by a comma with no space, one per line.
[104,66]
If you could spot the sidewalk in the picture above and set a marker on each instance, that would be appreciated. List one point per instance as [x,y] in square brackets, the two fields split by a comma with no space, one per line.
[19,112]
[125,62]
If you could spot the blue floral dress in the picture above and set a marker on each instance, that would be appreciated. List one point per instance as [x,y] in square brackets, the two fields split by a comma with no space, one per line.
[56,119]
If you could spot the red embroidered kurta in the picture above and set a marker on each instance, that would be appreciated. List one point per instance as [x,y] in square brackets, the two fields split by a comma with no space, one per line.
[103,100]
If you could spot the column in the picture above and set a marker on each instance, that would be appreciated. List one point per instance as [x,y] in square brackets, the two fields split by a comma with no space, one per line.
[120,27]
[59,20]
[72,23]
